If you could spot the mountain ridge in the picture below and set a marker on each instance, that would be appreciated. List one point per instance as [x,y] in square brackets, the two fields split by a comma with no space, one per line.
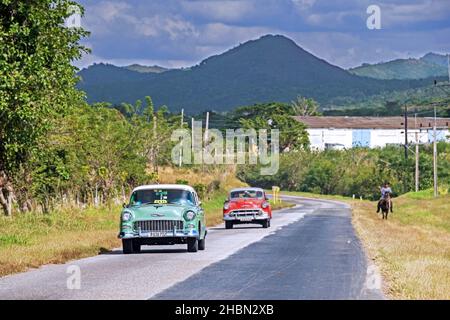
[427,66]
[271,68]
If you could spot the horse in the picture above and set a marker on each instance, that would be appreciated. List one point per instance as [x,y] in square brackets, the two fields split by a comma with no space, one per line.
[385,206]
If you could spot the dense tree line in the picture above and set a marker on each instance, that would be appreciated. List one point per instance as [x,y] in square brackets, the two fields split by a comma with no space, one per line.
[94,154]
[37,82]
[54,148]
[358,171]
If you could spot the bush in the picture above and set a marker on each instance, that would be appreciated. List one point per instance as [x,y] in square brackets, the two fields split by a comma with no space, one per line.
[201,189]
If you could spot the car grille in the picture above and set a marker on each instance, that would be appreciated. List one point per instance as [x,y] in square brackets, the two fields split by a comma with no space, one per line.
[158,225]
[249,212]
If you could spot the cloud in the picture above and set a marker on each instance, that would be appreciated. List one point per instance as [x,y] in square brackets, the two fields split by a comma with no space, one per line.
[221,10]
[182,32]
[410,13]
[304,4]
[172,26]
[108,10]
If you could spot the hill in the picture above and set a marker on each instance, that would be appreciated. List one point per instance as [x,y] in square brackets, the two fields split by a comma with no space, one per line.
[271,68]
[430,65]
[146,69]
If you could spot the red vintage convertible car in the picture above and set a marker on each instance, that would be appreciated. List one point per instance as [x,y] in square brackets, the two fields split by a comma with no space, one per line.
[247,205]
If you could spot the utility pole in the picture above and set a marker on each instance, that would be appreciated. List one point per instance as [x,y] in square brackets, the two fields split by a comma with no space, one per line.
[406,132]
[206,127]
[435,175]
[181,144]
[205,137]
[417,161]
[192,135]
[448,67]
[155,146]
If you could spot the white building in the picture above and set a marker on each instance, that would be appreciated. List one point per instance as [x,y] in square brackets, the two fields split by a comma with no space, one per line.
[372,132]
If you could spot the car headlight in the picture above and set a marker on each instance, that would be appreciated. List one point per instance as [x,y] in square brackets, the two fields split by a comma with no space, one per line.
[189,215]
[127,216]
[265,205]
[226,205]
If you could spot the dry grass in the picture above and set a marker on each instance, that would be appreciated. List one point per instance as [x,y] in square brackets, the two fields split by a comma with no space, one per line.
[224,174]
[213,203]
[412,248]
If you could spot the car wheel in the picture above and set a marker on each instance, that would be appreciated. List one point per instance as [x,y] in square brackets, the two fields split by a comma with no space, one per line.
[228,224]
[127,245]
[266,223]
[192,245]
[269,222]
[202,244]
[136,247]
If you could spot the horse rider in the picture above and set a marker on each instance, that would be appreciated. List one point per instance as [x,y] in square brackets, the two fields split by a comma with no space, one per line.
[385,190]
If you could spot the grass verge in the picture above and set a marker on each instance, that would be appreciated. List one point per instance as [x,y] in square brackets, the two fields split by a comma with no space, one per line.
[412,248]
[31,240]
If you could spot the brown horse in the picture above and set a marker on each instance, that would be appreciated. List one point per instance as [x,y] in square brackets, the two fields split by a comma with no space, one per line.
[386,206]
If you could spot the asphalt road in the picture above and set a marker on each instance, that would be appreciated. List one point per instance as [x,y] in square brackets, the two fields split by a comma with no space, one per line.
[310,252]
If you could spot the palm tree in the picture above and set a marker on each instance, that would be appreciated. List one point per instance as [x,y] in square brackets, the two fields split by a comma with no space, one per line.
[305,107]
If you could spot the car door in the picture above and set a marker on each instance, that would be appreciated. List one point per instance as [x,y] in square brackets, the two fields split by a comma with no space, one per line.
[201,214]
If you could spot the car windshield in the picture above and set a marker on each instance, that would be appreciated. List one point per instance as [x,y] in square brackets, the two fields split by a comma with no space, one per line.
[162,196]
[246,194]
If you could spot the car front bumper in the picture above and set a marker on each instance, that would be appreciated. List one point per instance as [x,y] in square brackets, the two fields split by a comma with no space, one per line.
[246,217]
[192,233]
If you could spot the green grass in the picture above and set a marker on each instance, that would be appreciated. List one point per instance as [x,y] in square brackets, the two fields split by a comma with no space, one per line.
[280,205]
[213,208]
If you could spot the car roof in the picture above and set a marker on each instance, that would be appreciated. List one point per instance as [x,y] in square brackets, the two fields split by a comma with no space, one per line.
[247,189]
[165,186]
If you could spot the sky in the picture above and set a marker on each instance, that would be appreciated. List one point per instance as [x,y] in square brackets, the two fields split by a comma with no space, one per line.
[181,33]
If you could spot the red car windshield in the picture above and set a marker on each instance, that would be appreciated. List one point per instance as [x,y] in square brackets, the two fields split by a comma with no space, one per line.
[244,194]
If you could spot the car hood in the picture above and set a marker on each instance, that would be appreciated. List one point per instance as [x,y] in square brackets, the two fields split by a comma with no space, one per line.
[159,212]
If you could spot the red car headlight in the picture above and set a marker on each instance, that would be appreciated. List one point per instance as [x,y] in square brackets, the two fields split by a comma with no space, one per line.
[226,206]
[265,205]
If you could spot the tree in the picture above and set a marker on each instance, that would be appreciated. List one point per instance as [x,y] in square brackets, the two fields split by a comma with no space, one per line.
[293,134]
[37,79]
[305,107]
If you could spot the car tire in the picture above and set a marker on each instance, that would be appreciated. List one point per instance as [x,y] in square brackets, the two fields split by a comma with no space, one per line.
[266,224]
[192,245]
[136,247]
[228,225]
[127,246]
[202,244]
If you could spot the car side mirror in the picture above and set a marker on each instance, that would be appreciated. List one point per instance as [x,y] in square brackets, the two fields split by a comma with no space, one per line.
[199,203]
[124,205]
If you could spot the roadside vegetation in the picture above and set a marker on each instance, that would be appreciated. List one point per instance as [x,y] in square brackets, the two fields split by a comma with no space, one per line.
[357,171]
[412,248]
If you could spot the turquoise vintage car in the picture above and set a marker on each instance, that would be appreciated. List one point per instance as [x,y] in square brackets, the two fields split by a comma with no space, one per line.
[163,215]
